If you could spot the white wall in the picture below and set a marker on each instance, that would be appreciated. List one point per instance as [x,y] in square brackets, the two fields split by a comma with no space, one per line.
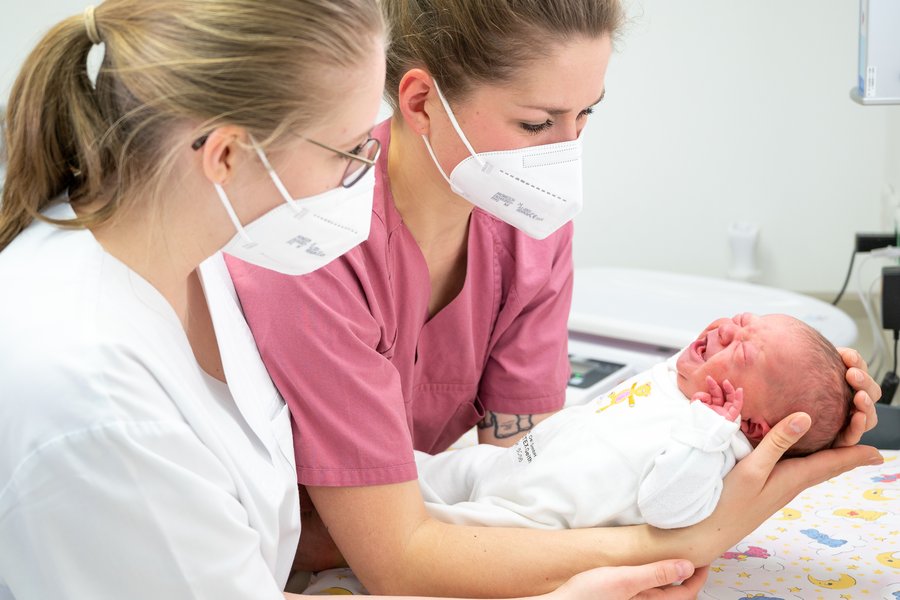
[22,25]
[717,110]
[723,110]
[892,163]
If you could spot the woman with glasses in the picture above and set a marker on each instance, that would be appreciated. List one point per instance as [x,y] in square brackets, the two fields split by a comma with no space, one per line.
[144,452]
[453,313]
[360,159]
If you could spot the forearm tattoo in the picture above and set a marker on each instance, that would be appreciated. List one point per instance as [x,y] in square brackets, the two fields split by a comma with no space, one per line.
[506,426]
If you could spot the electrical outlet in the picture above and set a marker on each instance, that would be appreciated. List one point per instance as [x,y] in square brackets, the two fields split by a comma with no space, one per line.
[866,242]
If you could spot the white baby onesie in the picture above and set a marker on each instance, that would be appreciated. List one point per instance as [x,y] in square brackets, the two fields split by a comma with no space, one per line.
[641,454]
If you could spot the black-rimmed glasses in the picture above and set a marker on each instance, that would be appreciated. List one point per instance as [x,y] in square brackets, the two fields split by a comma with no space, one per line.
[361,159]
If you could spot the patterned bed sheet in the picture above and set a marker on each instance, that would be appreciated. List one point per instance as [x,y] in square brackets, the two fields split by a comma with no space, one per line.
[839,540]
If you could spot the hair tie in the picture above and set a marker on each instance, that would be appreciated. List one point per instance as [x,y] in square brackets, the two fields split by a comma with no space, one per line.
[90,25]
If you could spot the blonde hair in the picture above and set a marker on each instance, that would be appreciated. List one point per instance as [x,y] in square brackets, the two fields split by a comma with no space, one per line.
[462,43]
[267,66]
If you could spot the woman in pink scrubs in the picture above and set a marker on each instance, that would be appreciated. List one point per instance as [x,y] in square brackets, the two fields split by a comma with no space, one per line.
[452,315]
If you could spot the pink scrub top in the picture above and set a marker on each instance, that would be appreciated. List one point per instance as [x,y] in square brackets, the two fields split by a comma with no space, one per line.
[369,377]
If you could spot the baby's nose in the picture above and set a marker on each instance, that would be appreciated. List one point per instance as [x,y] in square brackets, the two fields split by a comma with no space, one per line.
[726,333]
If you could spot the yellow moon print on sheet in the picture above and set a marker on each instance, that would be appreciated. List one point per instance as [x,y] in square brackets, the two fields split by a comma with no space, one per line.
[841,583]
[876,494]
[889,560]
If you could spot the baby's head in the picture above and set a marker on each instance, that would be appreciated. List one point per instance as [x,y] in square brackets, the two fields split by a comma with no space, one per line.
[782,364]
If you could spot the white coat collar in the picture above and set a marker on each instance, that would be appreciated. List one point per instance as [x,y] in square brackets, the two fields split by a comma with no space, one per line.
[252,388]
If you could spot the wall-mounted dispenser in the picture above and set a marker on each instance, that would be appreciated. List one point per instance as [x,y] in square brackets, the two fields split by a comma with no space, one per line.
[879,53]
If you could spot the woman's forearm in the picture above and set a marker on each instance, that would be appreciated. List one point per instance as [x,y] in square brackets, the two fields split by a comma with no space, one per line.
[500,562]
[395,548]
[616,583]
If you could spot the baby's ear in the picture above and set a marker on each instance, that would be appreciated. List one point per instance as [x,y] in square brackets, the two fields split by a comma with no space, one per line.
[755,429]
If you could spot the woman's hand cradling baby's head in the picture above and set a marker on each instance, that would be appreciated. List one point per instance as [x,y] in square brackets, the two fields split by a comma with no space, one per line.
[867,394]
[759,485]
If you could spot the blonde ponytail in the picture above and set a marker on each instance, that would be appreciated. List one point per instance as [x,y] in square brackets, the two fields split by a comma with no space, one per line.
[52,120]
[267,66]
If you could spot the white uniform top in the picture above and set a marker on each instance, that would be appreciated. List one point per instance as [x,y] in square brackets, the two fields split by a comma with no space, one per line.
[125,471]
[641,454]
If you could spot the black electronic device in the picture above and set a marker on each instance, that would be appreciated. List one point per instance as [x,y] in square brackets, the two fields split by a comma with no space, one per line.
[588,371]
[889,384]
[890,319]
[890,298]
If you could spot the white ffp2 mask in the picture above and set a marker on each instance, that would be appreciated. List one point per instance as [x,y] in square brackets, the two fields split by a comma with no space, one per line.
[536,189]
[305,234]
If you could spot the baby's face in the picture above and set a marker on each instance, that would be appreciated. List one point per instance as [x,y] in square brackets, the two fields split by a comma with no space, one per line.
[749,351]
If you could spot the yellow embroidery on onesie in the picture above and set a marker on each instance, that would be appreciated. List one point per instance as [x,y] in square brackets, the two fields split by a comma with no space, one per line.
[618,396]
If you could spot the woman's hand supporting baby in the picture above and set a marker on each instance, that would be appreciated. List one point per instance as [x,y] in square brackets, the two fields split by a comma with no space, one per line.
[642,582]
[757,487]
[867,394]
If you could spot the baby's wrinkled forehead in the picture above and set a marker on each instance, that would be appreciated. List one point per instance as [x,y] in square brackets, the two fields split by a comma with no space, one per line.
[782,340]
[781,328]
[778,335]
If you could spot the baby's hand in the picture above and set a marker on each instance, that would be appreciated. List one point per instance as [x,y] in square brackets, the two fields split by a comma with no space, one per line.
[724,399]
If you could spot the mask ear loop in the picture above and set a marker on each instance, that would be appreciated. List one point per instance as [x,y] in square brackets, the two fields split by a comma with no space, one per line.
[223,197]
[459,132]
[274,176]
[455,124]
[434,159]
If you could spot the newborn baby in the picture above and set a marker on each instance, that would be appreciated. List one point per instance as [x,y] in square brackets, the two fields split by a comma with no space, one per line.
[656,448]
